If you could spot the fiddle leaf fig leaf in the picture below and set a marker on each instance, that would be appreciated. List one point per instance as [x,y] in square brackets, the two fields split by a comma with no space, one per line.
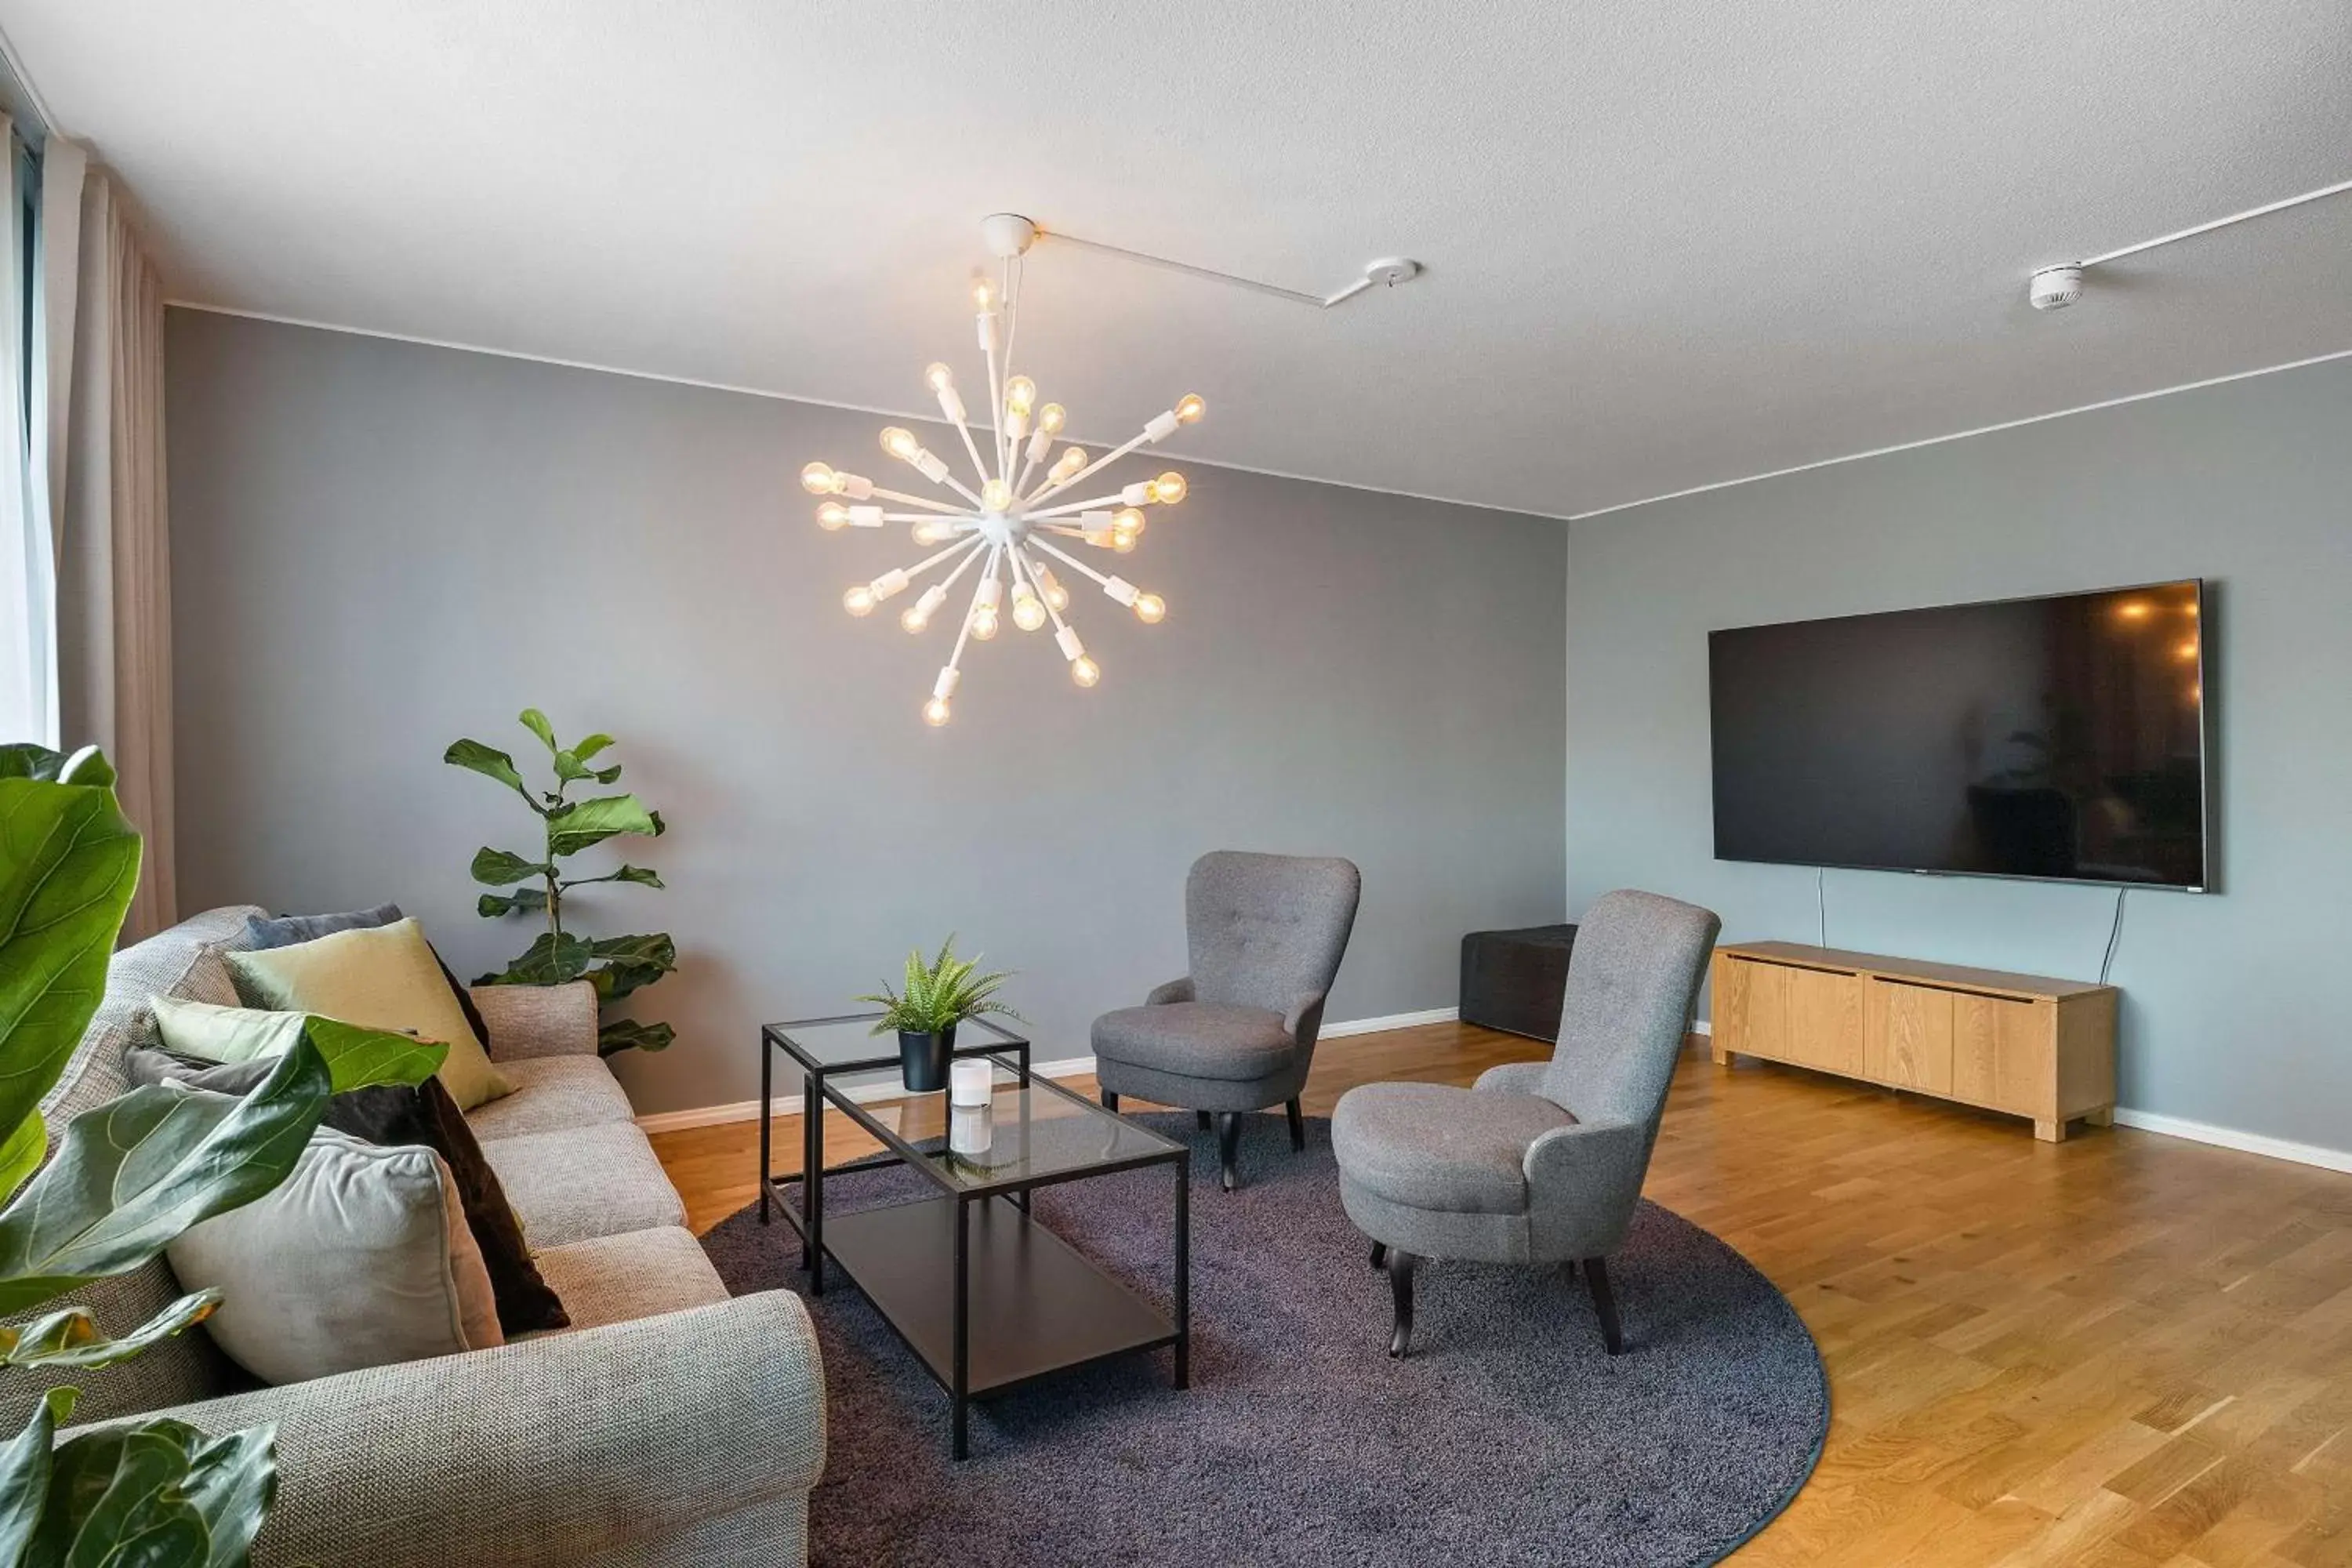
[70,1337]
[68,862]
[590,822]
[25,1464]
[642,876]
[498,868]
[369,1059]
[536,723]
[132,1174]
[493,763]
[20,1154]
[594,744]
[552,960]
[522,901]
[627,1034]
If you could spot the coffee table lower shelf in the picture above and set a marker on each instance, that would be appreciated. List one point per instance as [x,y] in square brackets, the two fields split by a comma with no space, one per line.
[1035,1305]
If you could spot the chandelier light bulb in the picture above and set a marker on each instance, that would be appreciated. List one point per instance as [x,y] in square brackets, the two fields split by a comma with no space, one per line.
[1028,610]
[1051,586]
[936,712]
[1085,670]
[819,479]
[1052,417]
[1168,488]
[858,601]
[832,516]
[983,295]
[1150,609]
[995,495]
[935,531]
[1123,544]
[1127,520]
[1189,407]
[1067,464]
[983,624]
[914,619]
[1020,395]
[937,376]
[901,444]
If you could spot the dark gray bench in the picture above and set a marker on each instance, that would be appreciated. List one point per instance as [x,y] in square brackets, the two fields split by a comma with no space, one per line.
[1512,980]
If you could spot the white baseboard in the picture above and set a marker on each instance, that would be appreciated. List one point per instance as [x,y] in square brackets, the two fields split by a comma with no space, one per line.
[2231,1138]
[1069,1066]
[1392,1021]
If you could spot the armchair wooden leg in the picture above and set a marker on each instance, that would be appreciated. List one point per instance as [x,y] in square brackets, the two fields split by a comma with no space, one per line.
[1202,1119]
[1604,1303]
[1229,1138]
[1110,1100]
[1297,1126]
[1380,1254]
[1401,1264]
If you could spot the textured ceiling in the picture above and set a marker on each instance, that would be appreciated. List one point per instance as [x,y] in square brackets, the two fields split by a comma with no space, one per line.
[1669,242]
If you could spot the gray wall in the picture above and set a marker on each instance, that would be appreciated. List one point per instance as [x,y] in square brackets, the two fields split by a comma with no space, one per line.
[2232,1000]
[379,547]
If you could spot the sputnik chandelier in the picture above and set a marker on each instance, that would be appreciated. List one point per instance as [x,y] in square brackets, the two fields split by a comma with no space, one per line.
[1007,523]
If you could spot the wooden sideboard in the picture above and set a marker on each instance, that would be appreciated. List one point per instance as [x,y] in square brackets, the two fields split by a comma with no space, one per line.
[2041,1048]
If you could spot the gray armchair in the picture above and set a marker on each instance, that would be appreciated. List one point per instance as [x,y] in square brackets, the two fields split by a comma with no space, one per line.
[1266,933]
[1539,1163]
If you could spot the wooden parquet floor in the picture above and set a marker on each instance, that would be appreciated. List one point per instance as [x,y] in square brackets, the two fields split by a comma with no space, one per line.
[2124,1351]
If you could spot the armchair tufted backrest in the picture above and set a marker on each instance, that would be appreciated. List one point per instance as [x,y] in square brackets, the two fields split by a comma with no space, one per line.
[1266,931]
[1632,978]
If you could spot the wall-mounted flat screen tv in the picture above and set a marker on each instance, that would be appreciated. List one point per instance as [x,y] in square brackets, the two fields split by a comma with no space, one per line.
[2061,737]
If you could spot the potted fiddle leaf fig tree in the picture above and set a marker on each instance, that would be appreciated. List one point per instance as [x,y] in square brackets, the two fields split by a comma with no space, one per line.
[125,1179]
[939,995]
[616,967]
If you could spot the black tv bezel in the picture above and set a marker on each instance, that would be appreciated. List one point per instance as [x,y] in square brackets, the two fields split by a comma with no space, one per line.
[2206,882]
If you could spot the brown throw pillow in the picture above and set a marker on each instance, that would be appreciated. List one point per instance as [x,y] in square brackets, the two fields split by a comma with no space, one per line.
[390,1115]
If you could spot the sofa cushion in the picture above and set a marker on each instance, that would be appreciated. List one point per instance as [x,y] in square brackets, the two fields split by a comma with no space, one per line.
[551,1093]
[263,934]
[215,1034]
[585,1182]
[360,1257]
[1197,1039]
[1434,1146]
[619,1278]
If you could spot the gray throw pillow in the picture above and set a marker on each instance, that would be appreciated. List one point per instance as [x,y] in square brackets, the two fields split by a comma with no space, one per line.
[261,934]
[360,1258]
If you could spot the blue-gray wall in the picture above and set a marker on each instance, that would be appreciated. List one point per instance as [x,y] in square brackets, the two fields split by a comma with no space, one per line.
[378,547]
[2233,1001]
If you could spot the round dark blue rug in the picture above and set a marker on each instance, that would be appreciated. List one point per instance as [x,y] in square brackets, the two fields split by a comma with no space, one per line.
[1509,1437]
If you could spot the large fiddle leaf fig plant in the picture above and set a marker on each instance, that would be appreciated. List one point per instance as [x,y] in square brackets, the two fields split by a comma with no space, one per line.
[616,965]
[126,1179]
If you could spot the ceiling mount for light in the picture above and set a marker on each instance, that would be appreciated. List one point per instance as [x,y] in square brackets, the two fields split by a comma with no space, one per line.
[2055,288]
[1008,235]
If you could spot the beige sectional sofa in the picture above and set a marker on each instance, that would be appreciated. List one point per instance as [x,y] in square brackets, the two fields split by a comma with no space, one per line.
[670,1425]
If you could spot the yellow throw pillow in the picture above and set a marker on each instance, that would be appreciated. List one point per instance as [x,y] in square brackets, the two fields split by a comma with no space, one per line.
[385,977]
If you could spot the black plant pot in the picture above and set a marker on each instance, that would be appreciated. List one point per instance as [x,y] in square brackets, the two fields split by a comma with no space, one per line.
[923,1059]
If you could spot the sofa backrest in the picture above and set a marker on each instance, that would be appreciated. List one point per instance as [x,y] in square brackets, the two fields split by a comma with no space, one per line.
[183,962]
[1267,931]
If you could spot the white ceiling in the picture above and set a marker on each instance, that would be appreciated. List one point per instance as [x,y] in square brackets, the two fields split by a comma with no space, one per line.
[1669,242]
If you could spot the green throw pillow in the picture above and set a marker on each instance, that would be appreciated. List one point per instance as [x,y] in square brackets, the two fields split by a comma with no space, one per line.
[220,1034]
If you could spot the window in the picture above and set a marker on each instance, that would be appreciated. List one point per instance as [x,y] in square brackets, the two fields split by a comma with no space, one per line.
[28,631]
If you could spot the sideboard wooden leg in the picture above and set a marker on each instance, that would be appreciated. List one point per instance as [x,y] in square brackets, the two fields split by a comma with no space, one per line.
[2049,1131]
[1722,1056]
[2105,1116]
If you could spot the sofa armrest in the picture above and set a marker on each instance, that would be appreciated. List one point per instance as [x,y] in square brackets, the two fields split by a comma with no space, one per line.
[546,1452]
[538,1020]
[1174,991]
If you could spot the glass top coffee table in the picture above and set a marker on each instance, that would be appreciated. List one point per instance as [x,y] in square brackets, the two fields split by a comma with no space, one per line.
[986,1297]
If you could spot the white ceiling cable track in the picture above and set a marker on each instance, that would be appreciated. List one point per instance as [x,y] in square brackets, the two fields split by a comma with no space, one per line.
[2055,288]
[1389,270]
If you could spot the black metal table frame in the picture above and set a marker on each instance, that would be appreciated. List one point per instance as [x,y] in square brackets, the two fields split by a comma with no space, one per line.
[810,1226]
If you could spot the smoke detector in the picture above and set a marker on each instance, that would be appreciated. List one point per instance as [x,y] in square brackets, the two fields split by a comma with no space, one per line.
[2055,288]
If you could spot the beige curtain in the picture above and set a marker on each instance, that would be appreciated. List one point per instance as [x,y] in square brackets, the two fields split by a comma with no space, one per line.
[113,560]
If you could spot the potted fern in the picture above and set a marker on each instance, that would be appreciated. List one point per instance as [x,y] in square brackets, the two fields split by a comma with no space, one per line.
[939,995]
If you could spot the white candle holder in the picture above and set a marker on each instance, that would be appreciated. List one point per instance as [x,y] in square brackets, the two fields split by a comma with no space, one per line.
[971,1081]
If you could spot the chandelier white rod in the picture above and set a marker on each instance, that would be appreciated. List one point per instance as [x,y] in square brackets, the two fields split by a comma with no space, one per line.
[1116,499]
[1105,460]
[1072,560]
[1012,286]
[924,501]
